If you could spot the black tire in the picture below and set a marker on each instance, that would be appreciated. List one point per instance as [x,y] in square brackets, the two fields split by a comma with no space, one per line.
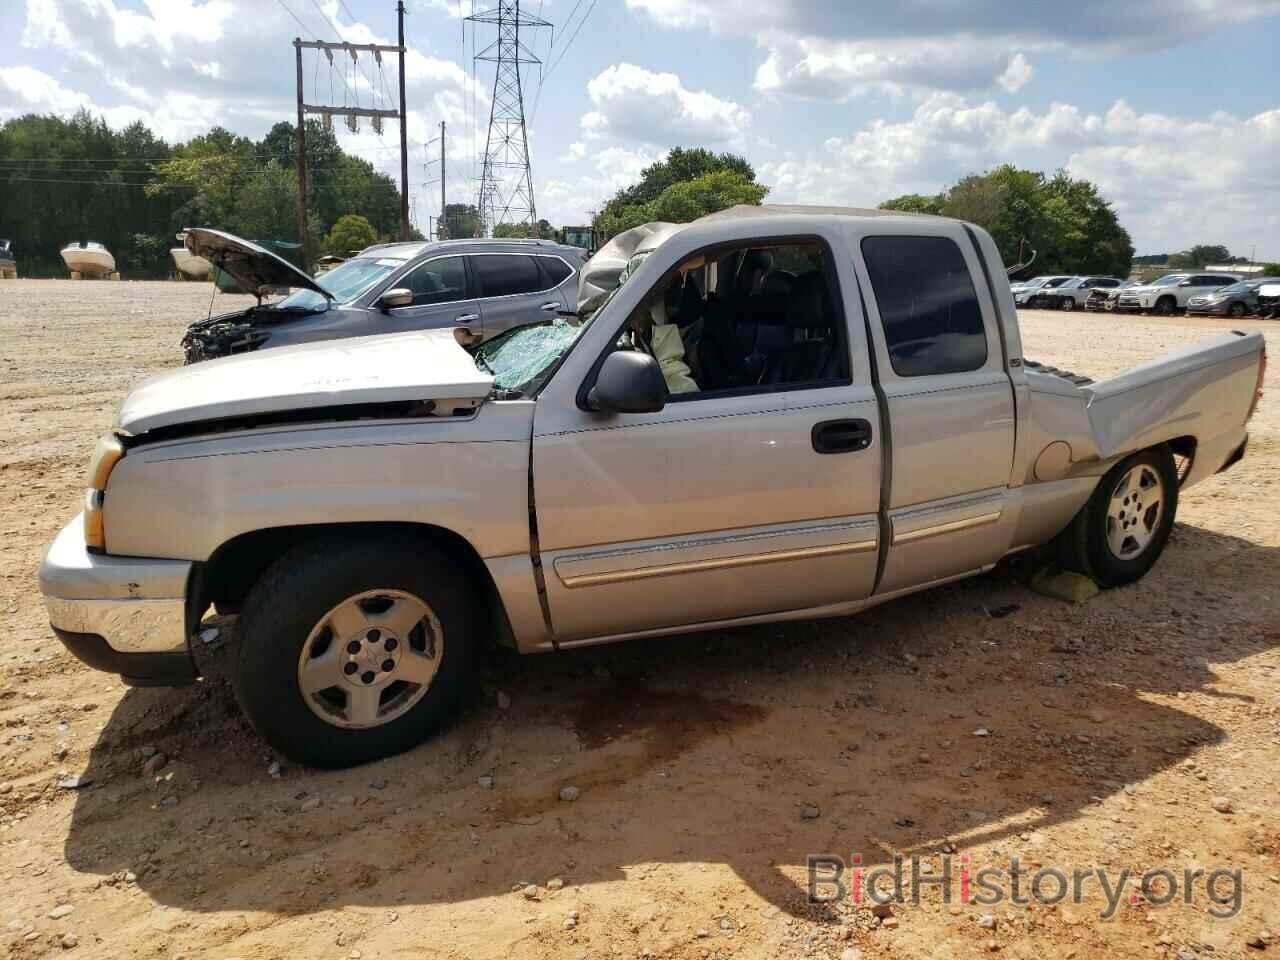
[1236,310]
[1083,546]
[296,594]
[1165,307]
[1066,304]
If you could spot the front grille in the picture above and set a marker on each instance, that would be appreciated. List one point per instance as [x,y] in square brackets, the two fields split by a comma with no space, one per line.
[1130,301]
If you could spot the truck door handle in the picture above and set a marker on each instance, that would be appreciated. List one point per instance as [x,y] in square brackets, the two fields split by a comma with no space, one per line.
[841,436]
[550,305]
[466,318]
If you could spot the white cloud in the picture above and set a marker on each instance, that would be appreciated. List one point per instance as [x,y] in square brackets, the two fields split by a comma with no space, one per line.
[36,91]
[1017,74]
[1173,181]
[824,68]
[571,200]
[183,65]
[636,104]
[836,50]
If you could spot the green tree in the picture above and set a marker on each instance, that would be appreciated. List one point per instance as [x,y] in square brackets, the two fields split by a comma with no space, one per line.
[1067,221]
[915,203]
[688,200]
[1199,256]
[351,232]
[634,205]
[1271,269]
[461,220]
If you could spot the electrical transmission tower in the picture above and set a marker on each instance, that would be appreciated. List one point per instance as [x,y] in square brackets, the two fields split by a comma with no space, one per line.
[506,180]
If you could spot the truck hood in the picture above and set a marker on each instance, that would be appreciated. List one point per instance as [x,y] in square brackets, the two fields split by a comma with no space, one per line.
[417,366]
[257,270]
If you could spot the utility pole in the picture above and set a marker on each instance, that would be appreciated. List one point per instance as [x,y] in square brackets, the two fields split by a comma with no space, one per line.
[353,114]
[404,136]
[301,147]
[444,219]
[506,150]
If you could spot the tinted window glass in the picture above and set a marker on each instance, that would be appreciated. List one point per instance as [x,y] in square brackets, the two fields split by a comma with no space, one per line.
[438,281]
[501,275]
[930,312]
[556,270]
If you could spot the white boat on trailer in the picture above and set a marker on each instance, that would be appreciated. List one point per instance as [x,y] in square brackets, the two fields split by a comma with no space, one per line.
[89,259]
[189,265]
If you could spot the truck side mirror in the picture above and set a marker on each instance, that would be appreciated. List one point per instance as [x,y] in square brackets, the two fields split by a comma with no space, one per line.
[396,297]
[629,382]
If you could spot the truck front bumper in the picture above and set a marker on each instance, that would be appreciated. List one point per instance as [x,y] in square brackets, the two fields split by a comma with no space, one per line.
[125,615]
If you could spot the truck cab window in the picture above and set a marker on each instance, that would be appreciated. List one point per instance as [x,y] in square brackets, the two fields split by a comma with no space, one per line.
[929,309]
[770,319]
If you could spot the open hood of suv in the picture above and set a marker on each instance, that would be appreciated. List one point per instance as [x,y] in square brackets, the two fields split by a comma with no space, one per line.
[398,367]
[256,269]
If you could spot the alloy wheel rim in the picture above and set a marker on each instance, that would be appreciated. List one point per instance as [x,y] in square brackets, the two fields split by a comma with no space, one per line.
[1134,512]
[370,659]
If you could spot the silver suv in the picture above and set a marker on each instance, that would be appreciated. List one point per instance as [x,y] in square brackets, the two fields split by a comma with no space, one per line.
[483,287]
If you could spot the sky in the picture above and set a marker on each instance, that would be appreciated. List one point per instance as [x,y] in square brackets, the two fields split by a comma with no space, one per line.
[1171,107]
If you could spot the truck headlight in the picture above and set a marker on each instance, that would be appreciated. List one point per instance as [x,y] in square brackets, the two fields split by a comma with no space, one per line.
[108,452]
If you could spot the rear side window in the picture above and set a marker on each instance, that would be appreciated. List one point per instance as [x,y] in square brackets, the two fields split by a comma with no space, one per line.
[932,322]
[501,275]
[555,269]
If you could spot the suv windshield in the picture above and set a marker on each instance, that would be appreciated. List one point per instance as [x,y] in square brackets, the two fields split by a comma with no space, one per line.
[1243,286]
[1169,278]
[1056,281]
[345,283]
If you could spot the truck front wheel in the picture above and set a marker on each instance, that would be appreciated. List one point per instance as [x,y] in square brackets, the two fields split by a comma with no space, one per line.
[352,650]
[1120,533]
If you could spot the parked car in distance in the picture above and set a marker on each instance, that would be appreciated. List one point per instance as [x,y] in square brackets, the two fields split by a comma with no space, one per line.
[1233,300]
[1106,298]
[1029,293]
[1073,294]
[742,432]
[1170,293]
[481,286]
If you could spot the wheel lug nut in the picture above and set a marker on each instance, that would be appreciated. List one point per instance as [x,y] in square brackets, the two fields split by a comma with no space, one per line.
[349,669]
[368,676]
[353,647]
[388,665]
[391,644]
[372,636]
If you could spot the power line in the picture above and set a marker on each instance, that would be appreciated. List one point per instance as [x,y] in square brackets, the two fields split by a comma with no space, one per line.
[563,52]
[110,183]
[537,100]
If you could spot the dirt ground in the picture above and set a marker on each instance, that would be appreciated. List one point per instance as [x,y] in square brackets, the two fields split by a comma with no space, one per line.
[978,718]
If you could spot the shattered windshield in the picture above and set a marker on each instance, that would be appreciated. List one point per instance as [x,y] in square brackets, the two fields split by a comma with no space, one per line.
[519,358]
[522,359]
[345,282]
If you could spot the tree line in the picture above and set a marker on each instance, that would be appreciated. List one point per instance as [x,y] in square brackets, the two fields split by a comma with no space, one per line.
[1072,228]
[1066,220]
[75,179]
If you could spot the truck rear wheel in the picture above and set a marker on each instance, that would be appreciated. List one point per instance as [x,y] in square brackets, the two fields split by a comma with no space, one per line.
[1120,533]
[355,650]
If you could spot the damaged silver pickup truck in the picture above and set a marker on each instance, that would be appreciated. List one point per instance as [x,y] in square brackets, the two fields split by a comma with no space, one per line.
[771,413]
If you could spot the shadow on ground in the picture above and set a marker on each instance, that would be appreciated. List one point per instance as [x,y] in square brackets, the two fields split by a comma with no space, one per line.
[702,748]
